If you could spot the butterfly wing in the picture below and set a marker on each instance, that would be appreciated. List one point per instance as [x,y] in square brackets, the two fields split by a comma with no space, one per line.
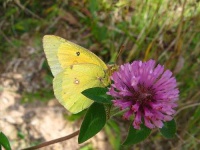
[51,45]
[61,53]
[70,82]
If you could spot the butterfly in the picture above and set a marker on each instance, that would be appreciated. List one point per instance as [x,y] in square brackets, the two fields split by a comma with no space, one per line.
[75,69]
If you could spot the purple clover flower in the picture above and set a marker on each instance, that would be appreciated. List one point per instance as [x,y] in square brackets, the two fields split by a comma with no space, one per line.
[146,91]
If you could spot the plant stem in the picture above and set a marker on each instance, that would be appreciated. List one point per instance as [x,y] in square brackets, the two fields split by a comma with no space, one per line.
[119,112]
[53,141]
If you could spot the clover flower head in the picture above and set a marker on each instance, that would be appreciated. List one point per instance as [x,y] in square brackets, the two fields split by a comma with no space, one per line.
[146,91]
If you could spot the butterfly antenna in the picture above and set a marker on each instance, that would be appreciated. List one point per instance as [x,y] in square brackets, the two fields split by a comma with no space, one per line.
[119,53]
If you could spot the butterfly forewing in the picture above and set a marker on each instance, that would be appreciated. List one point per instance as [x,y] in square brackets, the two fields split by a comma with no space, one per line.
[70,53]
[61,53]
[51,45]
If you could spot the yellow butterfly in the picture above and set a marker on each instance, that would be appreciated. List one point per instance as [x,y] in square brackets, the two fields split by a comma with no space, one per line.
[75,69]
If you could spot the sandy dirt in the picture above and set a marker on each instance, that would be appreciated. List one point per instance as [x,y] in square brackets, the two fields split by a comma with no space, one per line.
[27,124]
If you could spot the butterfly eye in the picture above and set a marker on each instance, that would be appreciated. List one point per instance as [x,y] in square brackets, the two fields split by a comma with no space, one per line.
[77,53]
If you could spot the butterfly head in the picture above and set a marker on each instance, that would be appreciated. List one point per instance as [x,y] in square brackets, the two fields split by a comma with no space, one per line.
[112,68]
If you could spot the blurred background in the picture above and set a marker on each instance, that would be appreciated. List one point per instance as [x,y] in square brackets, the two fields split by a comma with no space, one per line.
[165,30]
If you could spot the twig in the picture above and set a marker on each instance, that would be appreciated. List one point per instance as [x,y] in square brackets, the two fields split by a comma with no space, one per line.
[192,136]
[53,141]
[6,38]
[17,2]
[188,106]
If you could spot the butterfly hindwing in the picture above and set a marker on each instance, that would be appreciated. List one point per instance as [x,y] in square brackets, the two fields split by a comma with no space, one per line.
[70,82]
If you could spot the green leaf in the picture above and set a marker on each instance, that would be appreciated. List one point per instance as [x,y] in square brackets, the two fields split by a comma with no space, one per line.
[113,132]
[87,147]
[98,94]
[93,122]
[20,134]
[99,32]
[93,6]
[75,117]
[4,141]
[136,136]
[169,129]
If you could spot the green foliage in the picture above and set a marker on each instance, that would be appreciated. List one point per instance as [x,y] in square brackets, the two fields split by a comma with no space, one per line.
[93,122]
[20,135]
[4,141]
[75,117]
[41,95]
[113,132]
[26,25]
[169,129]
[98,94]
[193,131]
[93,7]
[87,147]
[100,33]
[194,121]
[135,136]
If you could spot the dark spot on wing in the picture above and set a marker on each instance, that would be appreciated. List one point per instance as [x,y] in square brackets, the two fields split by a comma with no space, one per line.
[78,53]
